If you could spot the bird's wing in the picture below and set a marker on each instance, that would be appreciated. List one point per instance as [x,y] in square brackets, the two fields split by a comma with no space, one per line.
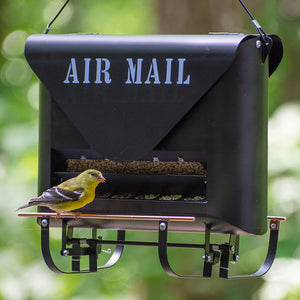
[56,195]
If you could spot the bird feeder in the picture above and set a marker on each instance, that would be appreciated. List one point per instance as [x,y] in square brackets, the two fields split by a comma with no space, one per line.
[178,126]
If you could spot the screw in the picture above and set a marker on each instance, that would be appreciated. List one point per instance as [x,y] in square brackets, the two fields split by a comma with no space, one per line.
[108,251]
[206,258]
[273,225]
[235,257]
[258,44]
[44,223]
[155,158]
[65,252]
[162,226]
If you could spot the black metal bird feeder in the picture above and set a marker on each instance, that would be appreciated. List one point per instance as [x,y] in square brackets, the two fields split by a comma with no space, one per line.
[178,126]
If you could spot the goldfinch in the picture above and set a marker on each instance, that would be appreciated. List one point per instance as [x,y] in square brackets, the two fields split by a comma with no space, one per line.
[71,194]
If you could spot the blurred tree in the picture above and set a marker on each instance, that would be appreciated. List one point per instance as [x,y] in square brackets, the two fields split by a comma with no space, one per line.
[194,17]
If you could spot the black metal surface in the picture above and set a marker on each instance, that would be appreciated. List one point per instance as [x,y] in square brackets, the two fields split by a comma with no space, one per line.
[112,114]
[110,110]
[211,105]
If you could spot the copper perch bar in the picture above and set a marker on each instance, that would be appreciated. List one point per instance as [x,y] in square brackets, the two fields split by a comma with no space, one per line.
[67,215]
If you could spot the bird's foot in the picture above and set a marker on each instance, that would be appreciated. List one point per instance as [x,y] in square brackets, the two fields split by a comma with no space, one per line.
[57,215]
[77,216]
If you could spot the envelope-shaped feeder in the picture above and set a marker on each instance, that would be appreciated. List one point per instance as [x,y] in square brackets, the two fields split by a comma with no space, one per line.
[177,125]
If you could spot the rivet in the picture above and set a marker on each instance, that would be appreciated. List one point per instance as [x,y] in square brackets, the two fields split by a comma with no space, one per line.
[206,258]
[65,252]
[273,225]
[162,226]
[44,223]
[258,44]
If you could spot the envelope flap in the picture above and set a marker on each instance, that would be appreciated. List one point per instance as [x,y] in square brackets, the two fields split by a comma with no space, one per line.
[125,93]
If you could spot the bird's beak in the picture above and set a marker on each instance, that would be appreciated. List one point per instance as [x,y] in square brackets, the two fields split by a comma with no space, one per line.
[101,178]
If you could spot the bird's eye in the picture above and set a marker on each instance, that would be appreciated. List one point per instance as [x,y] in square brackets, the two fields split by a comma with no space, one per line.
[94,175]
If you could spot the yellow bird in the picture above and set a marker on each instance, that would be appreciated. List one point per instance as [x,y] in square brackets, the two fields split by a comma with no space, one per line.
[71,194]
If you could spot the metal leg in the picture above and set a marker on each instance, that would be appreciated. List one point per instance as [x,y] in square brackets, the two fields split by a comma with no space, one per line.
[208,257]
[229,253]
[76,258]
[46,247]
[163,255]
[273,240]
[76,251]
[117,253]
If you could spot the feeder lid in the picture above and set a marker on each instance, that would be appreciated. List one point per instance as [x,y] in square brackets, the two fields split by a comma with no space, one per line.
[121,88]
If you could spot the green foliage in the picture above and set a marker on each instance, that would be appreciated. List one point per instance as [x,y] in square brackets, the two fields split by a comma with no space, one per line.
[138,275]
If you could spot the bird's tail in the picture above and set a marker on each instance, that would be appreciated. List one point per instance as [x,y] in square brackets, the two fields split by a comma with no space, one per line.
[23,206]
